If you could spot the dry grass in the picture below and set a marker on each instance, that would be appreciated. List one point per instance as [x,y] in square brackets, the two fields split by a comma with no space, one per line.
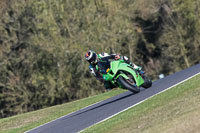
[179,116]
[18,122]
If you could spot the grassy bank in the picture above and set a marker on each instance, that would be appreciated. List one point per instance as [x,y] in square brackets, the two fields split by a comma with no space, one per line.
[24,122]
[175,111]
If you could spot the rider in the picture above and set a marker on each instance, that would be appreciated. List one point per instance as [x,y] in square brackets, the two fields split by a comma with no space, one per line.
[98,63]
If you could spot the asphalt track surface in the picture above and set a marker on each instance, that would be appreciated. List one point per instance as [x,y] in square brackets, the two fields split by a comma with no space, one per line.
[86,117]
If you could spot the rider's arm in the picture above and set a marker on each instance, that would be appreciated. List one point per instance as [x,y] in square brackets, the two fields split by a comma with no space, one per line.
[105,56]
[94,72]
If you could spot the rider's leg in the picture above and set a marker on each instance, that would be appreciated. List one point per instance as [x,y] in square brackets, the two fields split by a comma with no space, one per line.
[126,59]
[138,68]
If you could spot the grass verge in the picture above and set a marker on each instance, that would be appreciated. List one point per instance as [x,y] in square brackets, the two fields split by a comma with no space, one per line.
[24,122]
[174,111]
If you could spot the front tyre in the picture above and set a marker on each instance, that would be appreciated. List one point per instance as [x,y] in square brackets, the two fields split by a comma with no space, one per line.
[126,85]
[147,83]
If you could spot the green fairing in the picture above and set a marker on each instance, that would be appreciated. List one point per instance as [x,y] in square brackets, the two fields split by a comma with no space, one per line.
[120,65]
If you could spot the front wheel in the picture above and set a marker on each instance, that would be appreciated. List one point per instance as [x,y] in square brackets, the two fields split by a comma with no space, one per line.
[147,83]
[126,85]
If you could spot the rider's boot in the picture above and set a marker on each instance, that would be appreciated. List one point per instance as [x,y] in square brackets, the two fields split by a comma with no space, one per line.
[138,68]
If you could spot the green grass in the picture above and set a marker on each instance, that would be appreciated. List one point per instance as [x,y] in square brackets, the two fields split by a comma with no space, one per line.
[174,111]
[24,122]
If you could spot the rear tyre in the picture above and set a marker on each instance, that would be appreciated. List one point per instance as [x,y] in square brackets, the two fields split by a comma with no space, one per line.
[126,85]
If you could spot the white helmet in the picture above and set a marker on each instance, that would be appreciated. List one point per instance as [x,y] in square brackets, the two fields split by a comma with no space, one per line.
[91,57]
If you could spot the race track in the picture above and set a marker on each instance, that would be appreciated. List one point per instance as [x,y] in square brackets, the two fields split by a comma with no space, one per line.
[86,117]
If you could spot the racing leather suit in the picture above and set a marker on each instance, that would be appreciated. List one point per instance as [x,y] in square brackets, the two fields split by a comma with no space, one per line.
[103,62]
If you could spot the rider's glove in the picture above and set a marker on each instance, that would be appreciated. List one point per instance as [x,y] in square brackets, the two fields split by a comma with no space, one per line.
[117,57]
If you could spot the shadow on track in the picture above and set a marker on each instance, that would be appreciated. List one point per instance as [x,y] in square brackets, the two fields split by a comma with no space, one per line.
[90,109]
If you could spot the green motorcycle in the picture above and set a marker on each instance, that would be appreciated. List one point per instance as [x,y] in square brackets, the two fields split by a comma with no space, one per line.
[124,76]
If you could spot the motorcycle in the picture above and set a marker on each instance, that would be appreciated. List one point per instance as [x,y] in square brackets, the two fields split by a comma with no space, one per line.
[124,76]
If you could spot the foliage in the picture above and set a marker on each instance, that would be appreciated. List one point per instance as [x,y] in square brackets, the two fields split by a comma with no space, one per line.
[42,45]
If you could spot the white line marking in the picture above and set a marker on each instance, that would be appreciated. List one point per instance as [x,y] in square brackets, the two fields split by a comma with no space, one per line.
[62,116]
[140,102]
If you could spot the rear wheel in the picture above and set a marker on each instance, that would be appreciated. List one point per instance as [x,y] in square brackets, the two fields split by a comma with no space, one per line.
[125,84]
